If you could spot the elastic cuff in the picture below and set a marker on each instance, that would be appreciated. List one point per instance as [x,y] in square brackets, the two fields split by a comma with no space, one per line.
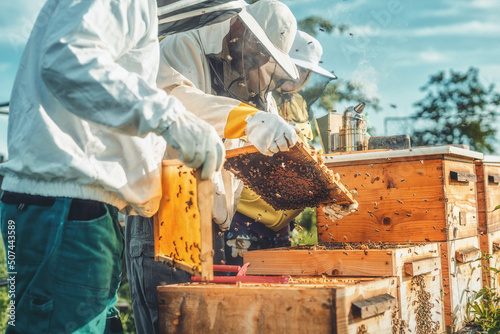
[236,121]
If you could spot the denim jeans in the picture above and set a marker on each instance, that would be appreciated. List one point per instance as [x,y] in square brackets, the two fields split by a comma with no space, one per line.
[66,272]
[145,274]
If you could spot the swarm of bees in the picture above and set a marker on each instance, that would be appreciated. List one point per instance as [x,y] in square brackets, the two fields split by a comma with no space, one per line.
[399,326]
[362,330]
[288,180]
[423,309]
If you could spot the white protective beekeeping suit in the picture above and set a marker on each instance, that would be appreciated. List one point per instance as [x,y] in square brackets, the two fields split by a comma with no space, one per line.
[185,72]
[86,115]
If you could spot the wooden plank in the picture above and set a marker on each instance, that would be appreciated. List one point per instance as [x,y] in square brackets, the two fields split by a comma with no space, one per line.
[373,306]
[490,244]
[345,297]
[421,303]
[467,255]
[461,203]
[461,281]
[300,147]
[480,197]
[492,198]
[488,194]
[183,224]
[271,308]
[495,179]
[462,177]
[338,259]
[422,266]
[398,202]
[205,204]
[413,154]
[294,179]
[245,309]
[374,262]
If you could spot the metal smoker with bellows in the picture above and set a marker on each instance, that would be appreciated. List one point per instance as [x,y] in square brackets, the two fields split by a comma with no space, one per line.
[344,132]
[348,132]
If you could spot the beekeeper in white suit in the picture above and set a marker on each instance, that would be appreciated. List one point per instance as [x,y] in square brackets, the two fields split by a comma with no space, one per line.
[87,131]
[256,224]
[240,61]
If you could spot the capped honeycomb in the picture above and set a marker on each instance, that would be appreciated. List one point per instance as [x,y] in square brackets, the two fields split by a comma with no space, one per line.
[183,223]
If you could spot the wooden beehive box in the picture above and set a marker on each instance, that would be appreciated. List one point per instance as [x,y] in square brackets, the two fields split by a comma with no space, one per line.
[183,223]
[414,195]
[345,305]
[293,179]
[462,278]
[488,193]
[417,268]
[490,244]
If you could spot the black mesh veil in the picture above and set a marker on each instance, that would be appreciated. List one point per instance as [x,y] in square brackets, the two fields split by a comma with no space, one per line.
[181,15]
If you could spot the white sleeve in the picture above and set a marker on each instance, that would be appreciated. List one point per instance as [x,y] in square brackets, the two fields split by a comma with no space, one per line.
[85,65]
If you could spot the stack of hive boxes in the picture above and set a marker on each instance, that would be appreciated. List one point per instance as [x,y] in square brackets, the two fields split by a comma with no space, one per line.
[488,197]
[418,221]
[417,195]
[414,266]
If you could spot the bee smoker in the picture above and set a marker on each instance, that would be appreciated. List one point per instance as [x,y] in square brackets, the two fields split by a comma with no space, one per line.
[353,134]
[344,132]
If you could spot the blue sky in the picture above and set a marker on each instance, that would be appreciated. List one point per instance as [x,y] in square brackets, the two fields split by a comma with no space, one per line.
[394,47]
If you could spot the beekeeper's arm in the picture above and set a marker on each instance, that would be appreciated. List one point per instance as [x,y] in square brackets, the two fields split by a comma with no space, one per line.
[82,68]
[232,119]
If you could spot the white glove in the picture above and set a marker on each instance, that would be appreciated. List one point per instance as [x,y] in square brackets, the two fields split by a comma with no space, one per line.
[197,142]
[269,133]
[335,211]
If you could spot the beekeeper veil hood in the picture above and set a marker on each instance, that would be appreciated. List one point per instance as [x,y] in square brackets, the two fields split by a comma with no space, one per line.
[176,16]
[274,25]
[296,100]
[306,53]
[255,57]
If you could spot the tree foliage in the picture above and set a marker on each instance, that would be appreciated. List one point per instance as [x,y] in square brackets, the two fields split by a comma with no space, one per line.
[458,109]
[313,24]
[343,91]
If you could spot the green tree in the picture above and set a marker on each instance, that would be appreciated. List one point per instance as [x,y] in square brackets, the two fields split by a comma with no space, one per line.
[345,91]
[313,24]
[457,109]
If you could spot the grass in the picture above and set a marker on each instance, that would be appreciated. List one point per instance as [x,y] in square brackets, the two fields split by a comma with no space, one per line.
[484,309]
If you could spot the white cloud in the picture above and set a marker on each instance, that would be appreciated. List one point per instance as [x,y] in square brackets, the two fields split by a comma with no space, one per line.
[470,28]
[485,4]
[432,56]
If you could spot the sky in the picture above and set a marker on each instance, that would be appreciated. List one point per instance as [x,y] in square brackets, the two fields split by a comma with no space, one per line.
[391,49]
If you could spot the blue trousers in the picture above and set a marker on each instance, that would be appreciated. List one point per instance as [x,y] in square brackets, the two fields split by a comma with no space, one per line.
[145,274]
[65,264]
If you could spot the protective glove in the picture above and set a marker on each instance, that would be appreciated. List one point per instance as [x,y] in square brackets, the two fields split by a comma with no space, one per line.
[335,211]
[269,133]
[197,142]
